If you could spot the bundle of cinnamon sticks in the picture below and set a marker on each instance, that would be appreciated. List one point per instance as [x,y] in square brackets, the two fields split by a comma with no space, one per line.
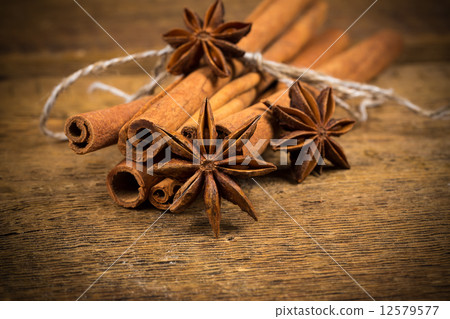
[288,31]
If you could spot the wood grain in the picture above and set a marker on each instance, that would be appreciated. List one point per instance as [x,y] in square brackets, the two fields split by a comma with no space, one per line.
[386,220]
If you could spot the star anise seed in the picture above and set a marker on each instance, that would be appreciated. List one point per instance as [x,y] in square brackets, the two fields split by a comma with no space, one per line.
[208,166]
[212,39]
[308,120]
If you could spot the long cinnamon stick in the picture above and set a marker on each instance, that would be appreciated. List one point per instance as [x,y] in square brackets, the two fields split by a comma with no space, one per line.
[121,143]
[300,33]
[270,23]
[367,58]
[294,38]
[237,104]
[88,132]
[323,43]
[172,111]
[259,9]
[228,92]
[128,186]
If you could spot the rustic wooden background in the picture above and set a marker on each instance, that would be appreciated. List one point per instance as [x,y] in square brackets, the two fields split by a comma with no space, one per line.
[386,221]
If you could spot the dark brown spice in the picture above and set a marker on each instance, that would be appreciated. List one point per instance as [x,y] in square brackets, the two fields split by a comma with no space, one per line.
[208,166]
[161,195]
[129,186]
[211,38]
[88,132]
[308,120]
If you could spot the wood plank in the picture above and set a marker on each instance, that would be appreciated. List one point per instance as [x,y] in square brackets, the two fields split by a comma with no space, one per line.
[386,220]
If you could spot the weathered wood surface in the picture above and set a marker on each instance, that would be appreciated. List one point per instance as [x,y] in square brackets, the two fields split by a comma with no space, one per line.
[386,220]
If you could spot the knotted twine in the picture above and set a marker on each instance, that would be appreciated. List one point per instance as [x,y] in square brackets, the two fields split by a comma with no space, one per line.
[369,95]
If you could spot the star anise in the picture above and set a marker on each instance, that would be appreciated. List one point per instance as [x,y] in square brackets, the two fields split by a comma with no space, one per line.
[308,121]
[206,166]
[211,38]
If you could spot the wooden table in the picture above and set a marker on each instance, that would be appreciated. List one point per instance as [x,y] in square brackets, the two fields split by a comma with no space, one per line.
[385,221]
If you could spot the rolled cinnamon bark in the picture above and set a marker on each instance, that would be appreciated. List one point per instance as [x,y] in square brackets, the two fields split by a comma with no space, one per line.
[323,43]
[88,132]
[128,186]
[227,93]
[255,14]
[121,143]
[161,195]
[294,38]
[259,9]
[172,111]
[367,58]
[271,23]
[237,104]
[299,34]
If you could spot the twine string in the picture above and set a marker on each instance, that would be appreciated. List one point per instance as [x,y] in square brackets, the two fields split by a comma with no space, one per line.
[108,88]
[97,67]
[370,95]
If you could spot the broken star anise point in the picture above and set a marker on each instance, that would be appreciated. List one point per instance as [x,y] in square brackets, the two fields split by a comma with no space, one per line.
[308,120]
[207,164]
[211,39]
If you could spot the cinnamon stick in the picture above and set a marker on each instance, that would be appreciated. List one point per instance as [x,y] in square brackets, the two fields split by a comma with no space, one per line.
[121,143]
[300,33]
[161,195]
[172,111]
[367,58]
[88,132]
[235,105]
[259,9]
[270,23]
[322,43]
[228,92]
[128,186]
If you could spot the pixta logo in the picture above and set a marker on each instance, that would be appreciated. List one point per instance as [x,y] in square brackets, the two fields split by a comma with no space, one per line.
[146,151]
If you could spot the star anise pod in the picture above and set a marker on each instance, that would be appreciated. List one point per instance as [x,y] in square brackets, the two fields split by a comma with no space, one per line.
[208,164]
[211,38]
[308,120]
